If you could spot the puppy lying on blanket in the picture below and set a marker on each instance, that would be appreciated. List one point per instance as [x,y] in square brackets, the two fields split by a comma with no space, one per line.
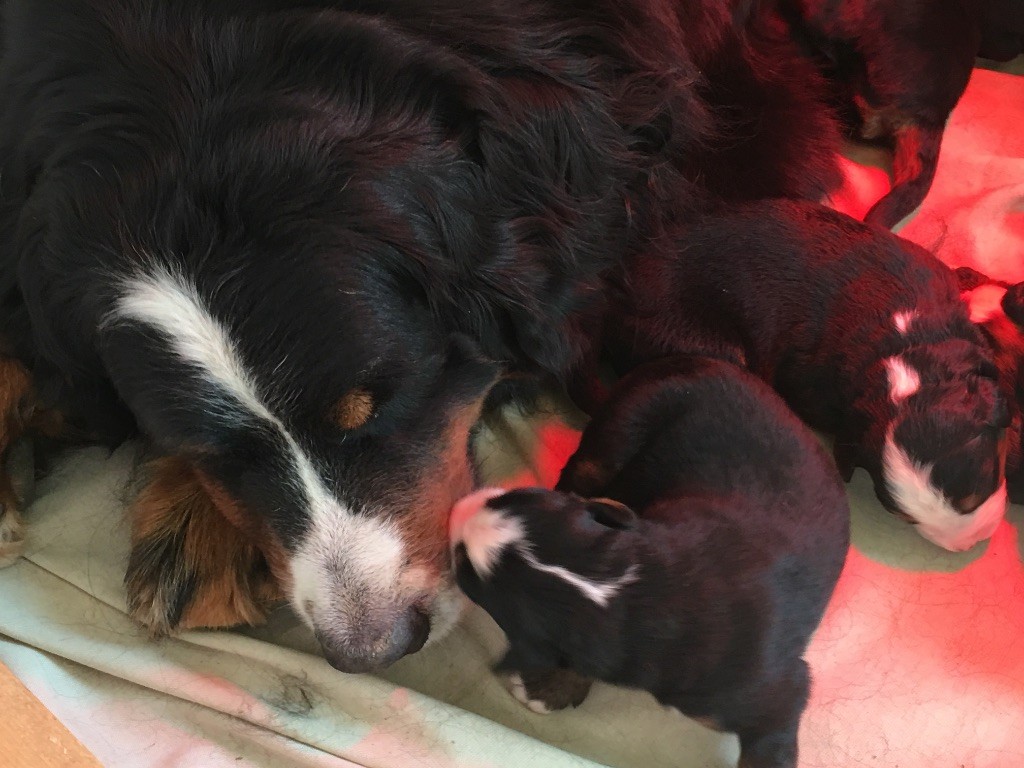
[708,600]
[902,66]
[861,332]
[998,308]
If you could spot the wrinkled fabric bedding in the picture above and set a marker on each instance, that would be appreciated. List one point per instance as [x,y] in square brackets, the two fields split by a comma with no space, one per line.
[918,664]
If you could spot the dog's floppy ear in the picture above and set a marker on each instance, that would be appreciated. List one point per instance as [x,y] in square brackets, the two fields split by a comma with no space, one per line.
[611,514]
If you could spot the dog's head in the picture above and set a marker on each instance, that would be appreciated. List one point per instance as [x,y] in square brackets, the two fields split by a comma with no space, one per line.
[549,567]
[942,447]
[335,433]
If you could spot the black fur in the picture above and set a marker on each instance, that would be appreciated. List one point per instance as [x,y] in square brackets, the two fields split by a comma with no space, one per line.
[345,184]
[1004,330]
[805,297]
[900,67]
[741,534]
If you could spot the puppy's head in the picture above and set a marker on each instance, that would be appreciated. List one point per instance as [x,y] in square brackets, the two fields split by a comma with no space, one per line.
[998,309]
[549,567]
[943,451]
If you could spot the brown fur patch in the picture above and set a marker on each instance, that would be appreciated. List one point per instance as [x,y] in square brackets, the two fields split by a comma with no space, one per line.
[423,527]
[354,409]
[257,532]
[189,566]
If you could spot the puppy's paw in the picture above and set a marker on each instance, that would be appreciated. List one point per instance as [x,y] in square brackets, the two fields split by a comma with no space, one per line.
[189,567]
[517,688]
[12,536]
[549,691]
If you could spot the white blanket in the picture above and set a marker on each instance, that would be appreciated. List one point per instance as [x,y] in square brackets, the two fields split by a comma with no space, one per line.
[918,664]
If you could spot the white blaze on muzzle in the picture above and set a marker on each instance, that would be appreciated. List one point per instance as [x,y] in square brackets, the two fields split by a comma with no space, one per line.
[937,520]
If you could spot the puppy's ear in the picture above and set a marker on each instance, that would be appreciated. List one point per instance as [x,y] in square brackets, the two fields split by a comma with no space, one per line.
[969,279]
[611,514]
[1013,304]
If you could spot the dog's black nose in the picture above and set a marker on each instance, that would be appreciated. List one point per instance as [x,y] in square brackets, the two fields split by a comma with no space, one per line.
[364,651]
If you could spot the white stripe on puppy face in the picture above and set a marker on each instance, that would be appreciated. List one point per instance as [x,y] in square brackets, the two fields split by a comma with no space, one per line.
[912,490]
[904,381]
[487,533]
[903,320]
[368,552]
[599,592]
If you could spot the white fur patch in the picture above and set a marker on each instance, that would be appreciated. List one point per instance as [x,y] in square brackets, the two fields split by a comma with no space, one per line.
[903,320]
[985,302]
[599,592]
[518,690]
[341,550]
[12,538]
[937,520]
[486,535]
[170,304]
[904,381]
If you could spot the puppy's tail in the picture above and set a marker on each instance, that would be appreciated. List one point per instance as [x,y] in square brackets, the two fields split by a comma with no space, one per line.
[914,162]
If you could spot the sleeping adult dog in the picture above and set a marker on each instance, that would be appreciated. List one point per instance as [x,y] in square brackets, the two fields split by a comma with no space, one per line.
[295,243]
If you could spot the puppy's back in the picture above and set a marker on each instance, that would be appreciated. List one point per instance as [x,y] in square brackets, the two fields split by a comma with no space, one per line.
[741,505]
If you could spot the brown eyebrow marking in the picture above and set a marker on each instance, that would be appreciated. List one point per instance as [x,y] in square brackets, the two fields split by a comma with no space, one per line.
[354,409]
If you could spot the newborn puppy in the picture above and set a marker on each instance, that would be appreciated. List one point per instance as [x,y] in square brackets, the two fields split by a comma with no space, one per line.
[901,66]
[708,595]
[998,309]
[861,332]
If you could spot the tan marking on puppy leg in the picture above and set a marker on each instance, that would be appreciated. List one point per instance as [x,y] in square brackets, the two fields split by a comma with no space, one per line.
[189,566]
[354,409]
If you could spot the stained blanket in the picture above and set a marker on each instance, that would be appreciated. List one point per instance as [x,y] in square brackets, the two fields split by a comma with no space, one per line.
[918,664]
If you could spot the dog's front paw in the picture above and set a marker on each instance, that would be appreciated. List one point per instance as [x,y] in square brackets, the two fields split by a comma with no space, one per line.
[189,567]
[549,691]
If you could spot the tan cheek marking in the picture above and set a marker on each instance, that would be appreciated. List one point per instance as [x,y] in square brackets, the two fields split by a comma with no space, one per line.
[354,409]
[424,525]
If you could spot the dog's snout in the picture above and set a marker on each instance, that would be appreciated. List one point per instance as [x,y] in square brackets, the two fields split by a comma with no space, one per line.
[373,648]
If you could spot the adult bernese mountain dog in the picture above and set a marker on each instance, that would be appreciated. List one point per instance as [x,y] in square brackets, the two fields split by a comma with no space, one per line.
[294,244]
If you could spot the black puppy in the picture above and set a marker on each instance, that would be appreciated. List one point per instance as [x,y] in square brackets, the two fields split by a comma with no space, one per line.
[901,66]
[862,332]
[709,599]
[998,309]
